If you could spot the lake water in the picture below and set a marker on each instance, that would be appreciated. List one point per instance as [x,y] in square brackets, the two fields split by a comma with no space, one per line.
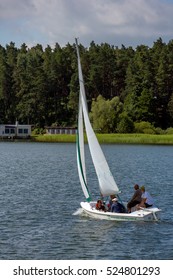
[40,197]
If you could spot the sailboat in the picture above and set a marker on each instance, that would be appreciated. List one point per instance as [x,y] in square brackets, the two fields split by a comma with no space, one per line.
[106,180]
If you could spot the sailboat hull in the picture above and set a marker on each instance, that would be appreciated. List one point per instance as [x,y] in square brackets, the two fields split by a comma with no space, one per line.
[149,214]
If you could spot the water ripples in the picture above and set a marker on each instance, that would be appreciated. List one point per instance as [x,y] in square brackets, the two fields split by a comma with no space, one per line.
[40,196]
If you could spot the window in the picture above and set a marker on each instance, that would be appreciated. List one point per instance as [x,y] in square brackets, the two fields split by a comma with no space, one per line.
[7,131]
[23,130]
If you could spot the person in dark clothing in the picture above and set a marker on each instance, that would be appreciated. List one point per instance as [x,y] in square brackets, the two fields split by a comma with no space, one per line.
[136,198]
[110,201]
[117,207]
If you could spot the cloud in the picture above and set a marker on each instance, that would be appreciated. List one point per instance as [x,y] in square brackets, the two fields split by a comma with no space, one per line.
[12,9]
[117,22]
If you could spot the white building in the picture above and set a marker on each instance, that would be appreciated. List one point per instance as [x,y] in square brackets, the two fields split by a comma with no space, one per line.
[60,130]
[15,130]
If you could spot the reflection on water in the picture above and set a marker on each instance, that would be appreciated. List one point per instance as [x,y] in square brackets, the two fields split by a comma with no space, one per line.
[40,197]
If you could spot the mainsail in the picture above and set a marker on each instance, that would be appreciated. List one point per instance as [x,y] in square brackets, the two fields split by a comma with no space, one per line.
[107,183]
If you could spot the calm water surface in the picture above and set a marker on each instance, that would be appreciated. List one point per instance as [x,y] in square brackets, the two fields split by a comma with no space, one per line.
[40,195]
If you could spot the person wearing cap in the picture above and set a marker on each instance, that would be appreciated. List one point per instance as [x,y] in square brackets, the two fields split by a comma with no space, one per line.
[117,207]
[147,200]
[136,198]
[110,201]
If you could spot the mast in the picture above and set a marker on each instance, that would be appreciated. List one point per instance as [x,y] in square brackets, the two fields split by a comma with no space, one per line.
[80,141]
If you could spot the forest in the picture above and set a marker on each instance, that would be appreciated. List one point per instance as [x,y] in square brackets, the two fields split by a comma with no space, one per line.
[128,90]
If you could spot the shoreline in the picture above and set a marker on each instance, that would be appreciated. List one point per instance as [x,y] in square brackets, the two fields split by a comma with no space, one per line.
[166,139]
[141,139]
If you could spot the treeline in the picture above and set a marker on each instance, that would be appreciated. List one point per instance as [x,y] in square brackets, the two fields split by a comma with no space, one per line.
[125,87]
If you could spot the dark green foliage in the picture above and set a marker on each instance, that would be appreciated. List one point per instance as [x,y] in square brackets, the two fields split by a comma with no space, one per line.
[123,86]
[125,124]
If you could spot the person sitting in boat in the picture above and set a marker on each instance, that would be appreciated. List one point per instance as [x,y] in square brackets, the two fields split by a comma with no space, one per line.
[136,198]
[100,205]
[147,200]
[109,205]
[117,207]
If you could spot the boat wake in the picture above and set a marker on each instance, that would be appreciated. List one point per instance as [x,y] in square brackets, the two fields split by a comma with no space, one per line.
[79,211]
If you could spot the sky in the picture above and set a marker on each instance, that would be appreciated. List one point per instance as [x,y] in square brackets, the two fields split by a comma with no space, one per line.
[116,22]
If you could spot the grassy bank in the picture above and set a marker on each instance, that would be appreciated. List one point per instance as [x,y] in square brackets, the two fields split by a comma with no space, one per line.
[112,139]
[55,138]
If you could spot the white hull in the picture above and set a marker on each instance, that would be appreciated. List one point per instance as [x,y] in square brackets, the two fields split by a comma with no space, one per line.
[149,214]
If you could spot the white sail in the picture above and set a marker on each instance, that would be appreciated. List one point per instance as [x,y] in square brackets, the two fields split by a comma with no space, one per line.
[107,183]
[81,153]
